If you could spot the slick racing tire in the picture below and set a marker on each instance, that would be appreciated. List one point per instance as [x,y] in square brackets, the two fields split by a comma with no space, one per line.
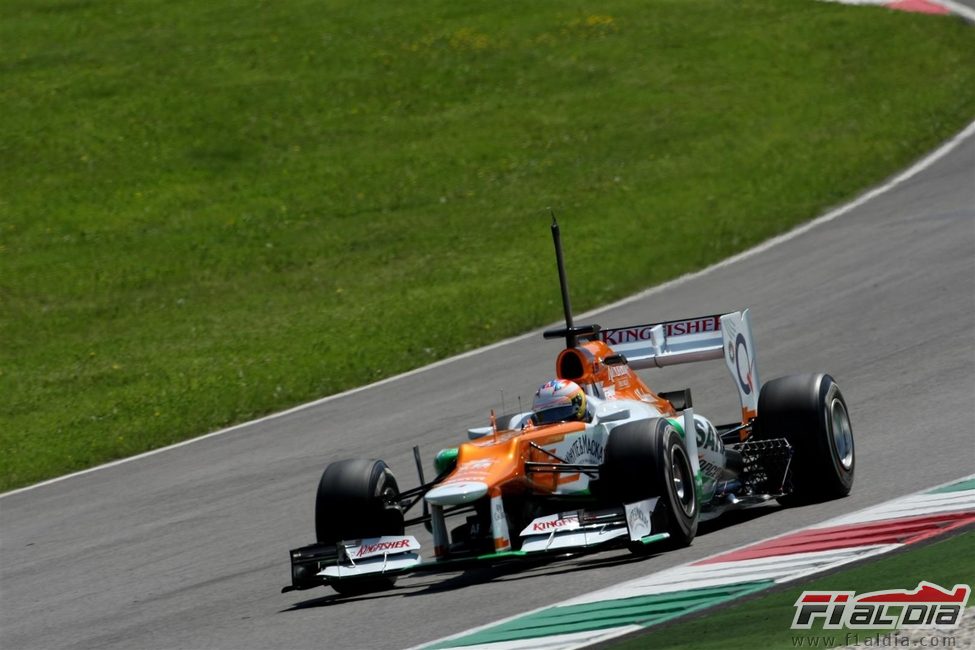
[357,499]
[809,411]
[648,458]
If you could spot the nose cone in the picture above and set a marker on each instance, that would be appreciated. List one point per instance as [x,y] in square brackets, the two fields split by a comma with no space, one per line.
[452,494]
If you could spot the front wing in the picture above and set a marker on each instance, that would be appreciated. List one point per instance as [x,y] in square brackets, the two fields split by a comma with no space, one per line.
[575,532]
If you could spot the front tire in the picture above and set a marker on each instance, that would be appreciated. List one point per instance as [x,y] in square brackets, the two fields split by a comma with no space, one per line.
[358,499]
[648,458]
[810,412]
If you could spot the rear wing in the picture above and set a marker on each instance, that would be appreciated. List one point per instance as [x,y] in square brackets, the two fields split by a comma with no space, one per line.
[658,345]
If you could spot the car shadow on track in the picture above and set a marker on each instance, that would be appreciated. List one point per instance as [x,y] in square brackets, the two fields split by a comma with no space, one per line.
[515,572]
[436,583]
[335,599]
[736,517]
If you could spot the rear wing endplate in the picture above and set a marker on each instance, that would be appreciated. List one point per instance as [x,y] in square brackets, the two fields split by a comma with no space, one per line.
[704,338]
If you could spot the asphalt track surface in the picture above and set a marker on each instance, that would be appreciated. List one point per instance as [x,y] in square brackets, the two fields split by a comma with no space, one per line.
[188,548]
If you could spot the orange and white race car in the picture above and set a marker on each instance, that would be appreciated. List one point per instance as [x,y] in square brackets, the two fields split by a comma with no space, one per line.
[600,460]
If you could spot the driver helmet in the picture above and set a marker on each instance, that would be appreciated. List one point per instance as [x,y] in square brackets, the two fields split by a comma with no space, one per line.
[559,400]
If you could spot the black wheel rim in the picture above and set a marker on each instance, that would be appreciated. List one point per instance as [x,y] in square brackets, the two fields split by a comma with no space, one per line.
[842,433]
[682,481]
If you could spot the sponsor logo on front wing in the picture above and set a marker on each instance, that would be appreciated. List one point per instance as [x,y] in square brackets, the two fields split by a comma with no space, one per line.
[546,526]
[552,523]
[638,520]
[927,606]
[382,545]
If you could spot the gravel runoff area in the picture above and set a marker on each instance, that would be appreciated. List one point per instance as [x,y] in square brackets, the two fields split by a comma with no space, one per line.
[962,637]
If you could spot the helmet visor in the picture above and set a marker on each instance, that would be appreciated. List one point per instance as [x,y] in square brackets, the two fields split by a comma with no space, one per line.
[557,414]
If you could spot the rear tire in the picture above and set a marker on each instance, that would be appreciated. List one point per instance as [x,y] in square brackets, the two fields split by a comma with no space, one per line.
[358,499]
[648,458]
[810,412]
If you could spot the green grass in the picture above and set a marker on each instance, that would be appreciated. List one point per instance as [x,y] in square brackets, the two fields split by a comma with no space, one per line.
[764,622]
[213,210]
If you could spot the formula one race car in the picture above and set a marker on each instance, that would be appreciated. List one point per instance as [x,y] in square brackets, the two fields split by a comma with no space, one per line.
[599,461]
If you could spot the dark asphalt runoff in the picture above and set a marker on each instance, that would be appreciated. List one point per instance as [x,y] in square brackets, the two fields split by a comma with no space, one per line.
[189,548]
